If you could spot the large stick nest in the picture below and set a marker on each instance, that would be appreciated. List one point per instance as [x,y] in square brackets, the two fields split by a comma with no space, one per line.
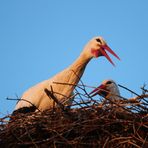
[91,123]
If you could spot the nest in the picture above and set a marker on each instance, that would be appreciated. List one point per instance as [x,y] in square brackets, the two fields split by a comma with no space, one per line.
[88,123]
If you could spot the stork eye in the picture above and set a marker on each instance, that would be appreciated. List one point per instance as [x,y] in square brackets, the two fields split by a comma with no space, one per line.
[98,40]
[109,82]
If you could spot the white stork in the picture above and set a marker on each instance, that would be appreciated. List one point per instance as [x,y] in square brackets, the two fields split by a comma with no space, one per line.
[36,98]
[107,88]
[110,91]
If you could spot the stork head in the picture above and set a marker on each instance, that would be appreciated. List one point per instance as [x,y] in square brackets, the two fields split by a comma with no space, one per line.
[98,47]
[108,87]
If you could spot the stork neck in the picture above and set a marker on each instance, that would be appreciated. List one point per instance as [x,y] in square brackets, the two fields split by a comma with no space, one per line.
[80,63]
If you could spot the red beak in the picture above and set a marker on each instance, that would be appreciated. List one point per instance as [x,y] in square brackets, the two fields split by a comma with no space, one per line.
[104,53]
[99,90]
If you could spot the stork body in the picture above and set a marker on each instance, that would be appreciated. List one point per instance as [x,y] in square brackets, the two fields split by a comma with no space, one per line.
[36,95]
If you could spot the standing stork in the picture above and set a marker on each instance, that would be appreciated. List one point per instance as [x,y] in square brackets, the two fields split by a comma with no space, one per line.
[36,98]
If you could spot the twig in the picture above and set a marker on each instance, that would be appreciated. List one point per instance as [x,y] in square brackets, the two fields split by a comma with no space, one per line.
[50,95]
[128,89]
[139,97]
[25,101]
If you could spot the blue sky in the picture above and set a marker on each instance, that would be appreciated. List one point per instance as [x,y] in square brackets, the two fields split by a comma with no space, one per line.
[40,38]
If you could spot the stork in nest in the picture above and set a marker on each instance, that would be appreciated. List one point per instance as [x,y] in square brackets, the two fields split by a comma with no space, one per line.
[36,98]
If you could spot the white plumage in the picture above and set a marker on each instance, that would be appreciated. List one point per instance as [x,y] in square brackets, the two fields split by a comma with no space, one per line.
[107,88]
[36,94]
[110,91]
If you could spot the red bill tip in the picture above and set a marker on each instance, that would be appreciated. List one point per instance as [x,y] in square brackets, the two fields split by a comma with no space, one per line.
[111,51]
[106,47]
[106,55]
[97,90]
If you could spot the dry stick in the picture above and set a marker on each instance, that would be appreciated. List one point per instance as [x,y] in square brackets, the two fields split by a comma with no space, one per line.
[141,97]
[25,101]
[81,103]
[143,88]
[29,136]
[79,86]
[128,89]
[60,135]
[83,87]
[77,93]
[136,131]
[75,89]
[74,95]
[138,138]
[91,97]
[62,107]
[145,140]
[67,99]
[138,96]
[49,139]
[82,122]
[134,144]
[128,101]
[93,101]
[61,95]
[106,141]
[117,104]
[3,120]
[78,78]
[16,137]
[81,83]
[50,95]
[81,98]
[88,96]
[120,138]
[36,142]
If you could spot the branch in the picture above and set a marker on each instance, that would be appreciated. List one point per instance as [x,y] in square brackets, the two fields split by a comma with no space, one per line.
[138,97]
[50,95]
[25,101]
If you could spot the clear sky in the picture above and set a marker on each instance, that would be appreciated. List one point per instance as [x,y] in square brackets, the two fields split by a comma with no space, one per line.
[39,38]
